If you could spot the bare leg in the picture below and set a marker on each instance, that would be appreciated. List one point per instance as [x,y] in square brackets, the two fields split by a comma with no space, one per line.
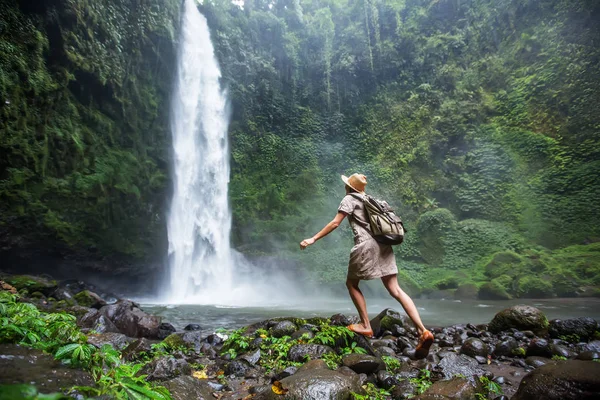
[359,302]
[391,284]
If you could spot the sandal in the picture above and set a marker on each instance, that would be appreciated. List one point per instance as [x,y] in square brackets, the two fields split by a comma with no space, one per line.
[357,329]
[425,342]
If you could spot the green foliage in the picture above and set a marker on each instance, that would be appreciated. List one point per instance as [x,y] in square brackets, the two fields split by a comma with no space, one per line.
[392,364]
[27,392]
[423,381]
[372,392]
[236,342]
[57,333]
[559,358]
[333,336]
[490,388]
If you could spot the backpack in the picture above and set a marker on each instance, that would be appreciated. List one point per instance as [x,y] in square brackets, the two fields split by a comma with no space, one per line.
[386,226]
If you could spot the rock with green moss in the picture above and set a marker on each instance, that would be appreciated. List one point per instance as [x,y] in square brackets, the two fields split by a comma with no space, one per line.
[502,263]
[89,299]
[535,288]
[493,290]
[174,341]
[466,291]
[33,284]
[520,317]
[387,319]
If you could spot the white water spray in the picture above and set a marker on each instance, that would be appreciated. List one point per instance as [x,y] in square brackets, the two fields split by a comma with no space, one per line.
[199,222]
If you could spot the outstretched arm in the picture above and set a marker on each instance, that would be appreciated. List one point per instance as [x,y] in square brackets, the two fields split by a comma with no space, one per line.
[325,231]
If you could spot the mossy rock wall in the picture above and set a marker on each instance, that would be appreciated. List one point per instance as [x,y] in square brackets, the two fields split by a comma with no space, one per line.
[84,89]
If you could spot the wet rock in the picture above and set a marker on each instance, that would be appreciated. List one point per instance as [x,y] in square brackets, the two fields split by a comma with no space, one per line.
[405,389]
[536,361]
[474,347]
[165,329]
[191,339]
[594,345]
[166,368]
[283,328]
[303,332]
[563,380]
[315,383]
[192,327]
[89,299]
[581,328]
[519,317]
[298,352]
[455,389]
[238,368]
[62,294]
[215,339]
[252,357]
[561,351]
[33,284]
[343,320]
[506,347]
[588,355]
[131,320]
[117,340]
[188,387]
[23,365]
[9,288]
[387,319]
[135,349]
[362,363]
[289,371]
[385,351]
[455,364]
[539,347]
[386,380]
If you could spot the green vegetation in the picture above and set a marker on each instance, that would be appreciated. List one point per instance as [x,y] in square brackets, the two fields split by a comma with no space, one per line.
[57,333]
[490,388]
[422,382]
[372,392]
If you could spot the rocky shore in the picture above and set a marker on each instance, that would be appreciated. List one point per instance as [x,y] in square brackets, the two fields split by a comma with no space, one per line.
[519,354]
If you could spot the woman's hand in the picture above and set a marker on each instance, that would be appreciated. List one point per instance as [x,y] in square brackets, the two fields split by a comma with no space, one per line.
[306,242]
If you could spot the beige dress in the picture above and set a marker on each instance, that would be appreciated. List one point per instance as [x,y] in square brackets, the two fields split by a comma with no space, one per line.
[369,259]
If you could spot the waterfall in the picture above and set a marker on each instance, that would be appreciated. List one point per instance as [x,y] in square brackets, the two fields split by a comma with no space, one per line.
[199,220]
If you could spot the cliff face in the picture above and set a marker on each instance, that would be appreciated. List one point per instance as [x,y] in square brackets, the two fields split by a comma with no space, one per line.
[84,136]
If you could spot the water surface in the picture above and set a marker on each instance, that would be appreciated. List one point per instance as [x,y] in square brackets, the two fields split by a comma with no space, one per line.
[433,312]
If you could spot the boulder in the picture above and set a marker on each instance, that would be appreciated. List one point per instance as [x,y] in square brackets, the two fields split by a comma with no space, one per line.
[283,328]
[188,387]
[131,320]
[238,368]
[117,340]
[386,320]
[135,349]
[576,329]
[97,322]
[454,364]
[539,347]
[252,357]
[506,347]
[298,352]
[314,381]
[165,329]
[520,317]
[362,363]
[474,347]
[454,389]
[33,284]
[536,362]
[343,320]
[562,380]
[89,299]
[165,368]
[192,327]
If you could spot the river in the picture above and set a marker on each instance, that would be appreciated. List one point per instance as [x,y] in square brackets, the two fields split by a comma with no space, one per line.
[433,312]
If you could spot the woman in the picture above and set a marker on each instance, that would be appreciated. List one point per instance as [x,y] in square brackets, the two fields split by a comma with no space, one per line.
[370,259]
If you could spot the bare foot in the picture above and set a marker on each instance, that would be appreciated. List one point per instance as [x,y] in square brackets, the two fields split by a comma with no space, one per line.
[361,330]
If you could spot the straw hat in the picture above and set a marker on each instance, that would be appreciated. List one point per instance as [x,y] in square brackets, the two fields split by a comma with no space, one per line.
[356,182]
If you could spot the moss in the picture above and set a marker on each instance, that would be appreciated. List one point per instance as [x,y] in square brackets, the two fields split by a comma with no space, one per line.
[85,298]
[502,263]
[493,290]
[519,352]
[174,341]
[534,287]
[32,283]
